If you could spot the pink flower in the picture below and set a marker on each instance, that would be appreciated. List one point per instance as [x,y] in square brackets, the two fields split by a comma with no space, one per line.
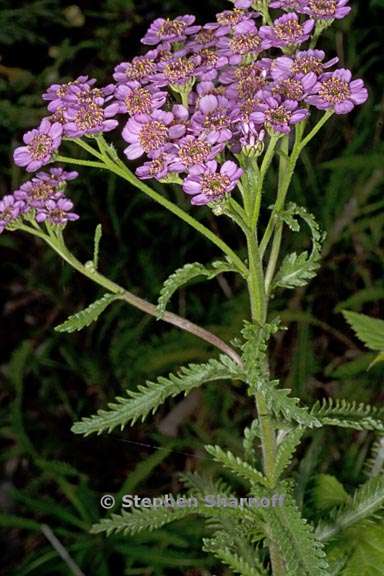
[40,145]
[207,185]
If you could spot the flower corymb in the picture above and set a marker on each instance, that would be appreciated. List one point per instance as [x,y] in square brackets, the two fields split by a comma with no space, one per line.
[201,98]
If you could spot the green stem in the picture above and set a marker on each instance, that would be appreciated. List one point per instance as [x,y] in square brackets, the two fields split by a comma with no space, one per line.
[57,244]
[79,162]
[298,147]
[278,234]
[121,170]
[268,157]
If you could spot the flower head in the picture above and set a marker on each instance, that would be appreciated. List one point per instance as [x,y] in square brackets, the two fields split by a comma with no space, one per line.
[337,91]
[206,184]
[301,64]
[146,133]
[43,187]
[133,98]
[57,212]
[40,145]
[287,31]
[327,9]
[10,209]
[163,30]
[212,119]
[279,115]
[90,118]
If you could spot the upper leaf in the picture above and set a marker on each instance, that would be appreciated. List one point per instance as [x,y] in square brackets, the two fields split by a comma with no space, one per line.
[85,317]
[298,269]
[186,274]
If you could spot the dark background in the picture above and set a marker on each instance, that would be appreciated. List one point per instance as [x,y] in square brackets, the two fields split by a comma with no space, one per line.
[50,380]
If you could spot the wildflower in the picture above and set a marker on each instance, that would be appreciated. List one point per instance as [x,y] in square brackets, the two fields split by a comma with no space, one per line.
[246,40]
[57,212]
[295,88]
[43,187]
[327,9]
[192,151]
[90,118]
[147,133]
[10,209]
[134,98]
[301,64]
[212,119]
[159,167]
[279,115]
[337,91]
[57,93]
[139,69]
[40,145]
[207,185]
[177,71]
[176,30]
[287,31]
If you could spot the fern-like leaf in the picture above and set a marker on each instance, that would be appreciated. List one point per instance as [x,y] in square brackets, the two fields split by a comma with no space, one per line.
[302,553]
[87,316]
[140,403]
[184,275]
[237,466]
[232,559]
[298,269]
[256,369]
[140,519]
[286,450]
[345,414]
[366,501]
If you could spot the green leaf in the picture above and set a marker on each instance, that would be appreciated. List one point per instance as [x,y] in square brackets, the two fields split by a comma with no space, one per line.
[186,274]
[141,519]
[237,466]
[85,317]
[366,501]
[257,375]
[298,269]
[148,398]
[366,551]
[286,450]
[355,415]
[232,559]
[96,245]
[328,492]
[302,553]
[368,330]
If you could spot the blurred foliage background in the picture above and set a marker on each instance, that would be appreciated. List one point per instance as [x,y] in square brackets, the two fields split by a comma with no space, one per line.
[53,478]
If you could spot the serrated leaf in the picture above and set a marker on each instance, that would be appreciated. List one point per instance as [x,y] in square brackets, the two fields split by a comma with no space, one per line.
[328,492]
[354,415]
[366,501]
[298,269]
[186,274]
[237,466]
[303,554]
[146,399]
[286,450]
[368,330]
[87,316]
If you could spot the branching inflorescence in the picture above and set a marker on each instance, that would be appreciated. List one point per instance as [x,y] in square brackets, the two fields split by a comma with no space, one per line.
[209,108]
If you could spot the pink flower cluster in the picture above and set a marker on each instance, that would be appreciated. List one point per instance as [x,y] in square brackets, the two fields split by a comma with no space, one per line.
[199,98]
